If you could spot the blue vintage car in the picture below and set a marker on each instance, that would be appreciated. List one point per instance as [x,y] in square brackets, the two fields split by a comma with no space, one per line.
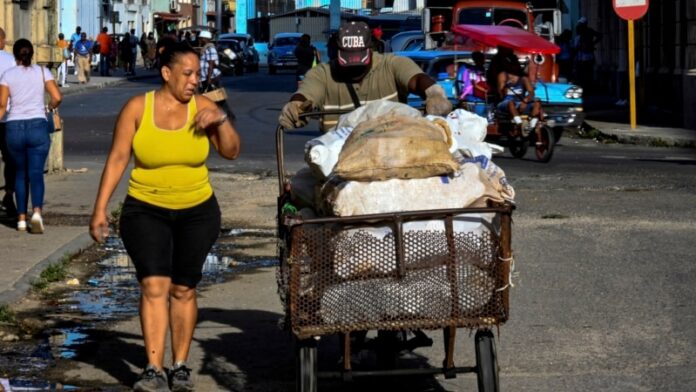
[562,102]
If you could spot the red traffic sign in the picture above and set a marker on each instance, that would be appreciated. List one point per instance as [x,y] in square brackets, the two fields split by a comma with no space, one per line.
[631,9]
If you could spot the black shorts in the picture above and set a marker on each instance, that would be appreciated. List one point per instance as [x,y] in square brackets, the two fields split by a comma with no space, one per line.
[172,243]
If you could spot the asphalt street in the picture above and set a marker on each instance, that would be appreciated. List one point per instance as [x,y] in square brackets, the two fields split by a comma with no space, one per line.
[603,244]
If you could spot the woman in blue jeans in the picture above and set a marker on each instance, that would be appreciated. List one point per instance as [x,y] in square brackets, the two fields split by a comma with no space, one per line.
[28,139]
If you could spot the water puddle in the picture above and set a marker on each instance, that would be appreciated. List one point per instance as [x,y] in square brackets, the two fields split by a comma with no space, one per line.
[110,295]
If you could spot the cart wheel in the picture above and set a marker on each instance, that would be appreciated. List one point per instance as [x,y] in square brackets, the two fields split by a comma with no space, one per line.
[544,147]
[518,147]
[486,362]
[306,366]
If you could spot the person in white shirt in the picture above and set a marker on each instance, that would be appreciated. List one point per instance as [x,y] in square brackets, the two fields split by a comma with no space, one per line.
[7,61]
[26,132]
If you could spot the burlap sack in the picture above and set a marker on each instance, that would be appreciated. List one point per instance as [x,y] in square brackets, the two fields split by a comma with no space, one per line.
[395,146]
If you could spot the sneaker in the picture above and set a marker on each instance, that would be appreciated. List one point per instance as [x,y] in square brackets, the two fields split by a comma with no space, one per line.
[152,380]
[22,226]
[37,226]
[180,376]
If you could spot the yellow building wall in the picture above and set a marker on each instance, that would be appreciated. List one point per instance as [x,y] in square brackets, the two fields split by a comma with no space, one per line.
[38,24]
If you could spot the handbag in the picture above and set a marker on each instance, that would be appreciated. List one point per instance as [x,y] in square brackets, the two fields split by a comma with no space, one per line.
[215,94]
[55,123]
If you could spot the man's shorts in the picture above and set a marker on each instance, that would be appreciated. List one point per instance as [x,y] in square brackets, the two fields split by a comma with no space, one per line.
[503,106]
[169,243]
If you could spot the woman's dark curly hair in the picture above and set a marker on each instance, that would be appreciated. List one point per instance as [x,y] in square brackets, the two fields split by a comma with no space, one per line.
[172,50]
[23,51]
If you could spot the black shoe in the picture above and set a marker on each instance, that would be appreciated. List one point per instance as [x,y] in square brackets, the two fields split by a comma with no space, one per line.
[180,377]
[152,380]
[9,206]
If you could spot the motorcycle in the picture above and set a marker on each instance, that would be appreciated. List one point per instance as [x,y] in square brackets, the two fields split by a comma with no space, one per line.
[501,129]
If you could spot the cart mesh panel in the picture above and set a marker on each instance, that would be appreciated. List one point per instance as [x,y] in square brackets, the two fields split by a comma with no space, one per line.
[341,278]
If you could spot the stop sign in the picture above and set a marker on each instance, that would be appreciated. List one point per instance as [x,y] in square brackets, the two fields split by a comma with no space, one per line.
[631,9]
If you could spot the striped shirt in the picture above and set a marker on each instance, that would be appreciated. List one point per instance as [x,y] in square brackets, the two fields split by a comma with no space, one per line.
[209,54]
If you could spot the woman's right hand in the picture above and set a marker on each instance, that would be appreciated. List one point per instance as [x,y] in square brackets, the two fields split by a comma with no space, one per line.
[99,226]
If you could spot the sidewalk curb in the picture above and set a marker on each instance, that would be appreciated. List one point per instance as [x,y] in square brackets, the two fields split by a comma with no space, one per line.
[80,88]
[623,135]
[23,285]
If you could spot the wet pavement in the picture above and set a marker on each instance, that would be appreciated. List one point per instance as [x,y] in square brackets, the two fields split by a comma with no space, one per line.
[109,295]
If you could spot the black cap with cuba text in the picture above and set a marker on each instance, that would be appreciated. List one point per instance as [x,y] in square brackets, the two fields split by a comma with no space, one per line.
[353,44]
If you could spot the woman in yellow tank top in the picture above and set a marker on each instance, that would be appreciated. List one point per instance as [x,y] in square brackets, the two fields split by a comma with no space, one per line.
[170,218]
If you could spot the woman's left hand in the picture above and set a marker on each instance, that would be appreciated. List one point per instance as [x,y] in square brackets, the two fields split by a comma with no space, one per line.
[209,117]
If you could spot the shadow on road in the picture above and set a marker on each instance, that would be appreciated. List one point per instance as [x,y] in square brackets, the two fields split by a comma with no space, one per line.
[260,357]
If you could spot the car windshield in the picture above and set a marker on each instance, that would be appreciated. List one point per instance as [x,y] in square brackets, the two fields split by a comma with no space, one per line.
[493,16]
[287,41]
[416,44]
[231,44]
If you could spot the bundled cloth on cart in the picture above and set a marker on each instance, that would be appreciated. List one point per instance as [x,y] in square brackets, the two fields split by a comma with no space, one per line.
[466,131]
[476,182]
[321,154]
[366,251]
[420,294]
[396,146]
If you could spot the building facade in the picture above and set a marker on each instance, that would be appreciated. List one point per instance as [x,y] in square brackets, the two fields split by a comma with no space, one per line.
[665,57]
[36,20]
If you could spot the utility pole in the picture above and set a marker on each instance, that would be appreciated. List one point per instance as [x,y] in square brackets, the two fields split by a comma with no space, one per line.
[334,15]
[218,16]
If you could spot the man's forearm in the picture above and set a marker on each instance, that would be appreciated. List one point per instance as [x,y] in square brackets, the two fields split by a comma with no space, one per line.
[419,83]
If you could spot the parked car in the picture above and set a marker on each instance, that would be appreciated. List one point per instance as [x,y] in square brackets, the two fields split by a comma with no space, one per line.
[406,41]
[230,65]
[281,52]
[562,102]
[246,42]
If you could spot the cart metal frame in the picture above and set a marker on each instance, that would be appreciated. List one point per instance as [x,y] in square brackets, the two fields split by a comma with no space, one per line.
[295,235]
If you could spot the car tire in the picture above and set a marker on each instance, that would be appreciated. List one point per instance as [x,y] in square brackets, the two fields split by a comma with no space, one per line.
[239,70]
[271,69]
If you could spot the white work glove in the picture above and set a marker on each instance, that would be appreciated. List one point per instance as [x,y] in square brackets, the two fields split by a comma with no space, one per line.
[290,115]
[436,102]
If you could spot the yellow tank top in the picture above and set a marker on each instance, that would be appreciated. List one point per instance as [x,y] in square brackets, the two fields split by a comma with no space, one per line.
[170,170]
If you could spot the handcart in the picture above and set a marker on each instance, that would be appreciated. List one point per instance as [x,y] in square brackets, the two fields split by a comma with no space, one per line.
[337,278]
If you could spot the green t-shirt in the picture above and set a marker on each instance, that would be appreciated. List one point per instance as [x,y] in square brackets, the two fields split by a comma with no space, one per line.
[387,80]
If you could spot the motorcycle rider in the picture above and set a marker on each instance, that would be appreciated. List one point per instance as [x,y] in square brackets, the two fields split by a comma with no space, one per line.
[358,76]
[517,94]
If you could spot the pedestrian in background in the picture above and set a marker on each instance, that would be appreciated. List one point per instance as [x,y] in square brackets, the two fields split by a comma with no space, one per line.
[142,44]
[377,43]
[565,57]
[134,50]
[210,62]
[307,56]
[76,36]
[126,53]
[104,40]
[151,51]
[585,40]
[83,55]
[28,138]
[64,47]
[170,218]
[7,61]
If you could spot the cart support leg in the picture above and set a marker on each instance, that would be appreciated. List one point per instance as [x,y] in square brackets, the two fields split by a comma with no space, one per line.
[347,374]
[450,334]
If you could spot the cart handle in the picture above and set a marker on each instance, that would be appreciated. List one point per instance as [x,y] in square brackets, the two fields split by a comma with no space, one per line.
[280,143]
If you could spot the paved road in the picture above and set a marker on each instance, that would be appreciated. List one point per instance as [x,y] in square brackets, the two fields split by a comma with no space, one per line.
[603,239]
